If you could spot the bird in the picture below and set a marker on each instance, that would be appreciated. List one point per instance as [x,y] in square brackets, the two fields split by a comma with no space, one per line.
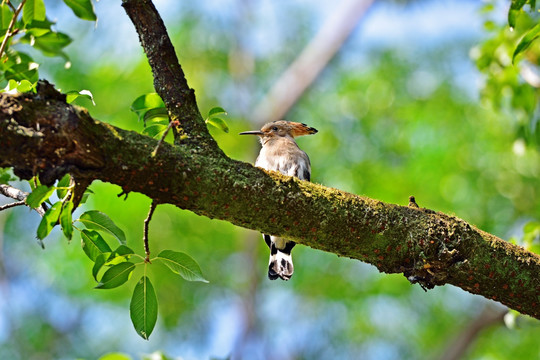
[412,202]
[279,152]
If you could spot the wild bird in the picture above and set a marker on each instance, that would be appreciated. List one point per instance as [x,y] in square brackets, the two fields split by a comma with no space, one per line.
[280,152]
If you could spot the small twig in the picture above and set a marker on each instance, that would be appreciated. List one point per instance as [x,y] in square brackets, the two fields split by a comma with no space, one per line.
[14,193]
[13,204]
[171,124]
[145,233]
[9,4]
[9,34]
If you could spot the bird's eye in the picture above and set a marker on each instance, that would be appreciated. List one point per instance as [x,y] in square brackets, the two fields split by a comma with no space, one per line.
[274,128]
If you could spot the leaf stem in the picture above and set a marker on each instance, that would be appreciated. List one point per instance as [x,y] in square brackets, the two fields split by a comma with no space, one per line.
[145,233]
[9,4]
[9,33]
[171,123]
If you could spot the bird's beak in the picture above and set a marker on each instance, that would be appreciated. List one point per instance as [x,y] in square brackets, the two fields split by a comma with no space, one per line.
[253,132]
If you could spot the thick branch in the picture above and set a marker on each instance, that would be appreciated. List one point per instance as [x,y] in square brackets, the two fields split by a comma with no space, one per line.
[41,133]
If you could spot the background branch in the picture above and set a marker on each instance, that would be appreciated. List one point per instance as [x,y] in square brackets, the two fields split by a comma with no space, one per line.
[294,81]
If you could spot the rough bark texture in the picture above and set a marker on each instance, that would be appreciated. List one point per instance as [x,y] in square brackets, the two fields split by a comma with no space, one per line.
[41,134]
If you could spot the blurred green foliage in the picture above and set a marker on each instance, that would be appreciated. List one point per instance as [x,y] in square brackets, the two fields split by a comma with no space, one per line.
[390,126]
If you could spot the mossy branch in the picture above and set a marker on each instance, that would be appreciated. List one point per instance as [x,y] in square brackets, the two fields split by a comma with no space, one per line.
[41,134]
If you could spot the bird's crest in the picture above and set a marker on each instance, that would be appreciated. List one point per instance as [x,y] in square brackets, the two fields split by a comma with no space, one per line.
[292,128]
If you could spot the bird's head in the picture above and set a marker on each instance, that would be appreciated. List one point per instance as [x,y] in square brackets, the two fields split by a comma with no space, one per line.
[282,128]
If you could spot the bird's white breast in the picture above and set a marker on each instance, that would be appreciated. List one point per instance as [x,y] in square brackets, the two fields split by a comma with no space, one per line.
[287,159]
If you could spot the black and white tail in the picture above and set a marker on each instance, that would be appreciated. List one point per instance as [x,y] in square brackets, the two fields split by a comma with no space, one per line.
[280,264]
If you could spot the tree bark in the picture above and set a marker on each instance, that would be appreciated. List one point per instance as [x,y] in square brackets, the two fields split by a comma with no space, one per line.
[41,134]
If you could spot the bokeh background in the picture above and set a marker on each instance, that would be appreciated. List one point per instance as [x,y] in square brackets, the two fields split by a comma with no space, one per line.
[402,109]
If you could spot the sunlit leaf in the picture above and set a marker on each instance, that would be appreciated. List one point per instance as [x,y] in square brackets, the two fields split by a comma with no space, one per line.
[74,95]
[143,308]
[146,102]
[155,131]
[83,9]
[65,219]
[218,123]
[93,244]
[527,40]
[216,111]
[49,220]
[39,195]
[121,254]
[33,9]
[182,264]
[97,220]
[116,276]
[5,16]
[115,356]
[25,86]
[63,183]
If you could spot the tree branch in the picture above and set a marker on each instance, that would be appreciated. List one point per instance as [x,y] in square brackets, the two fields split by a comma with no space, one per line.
[42,134]
[13,204]
[14,193]
[169,79]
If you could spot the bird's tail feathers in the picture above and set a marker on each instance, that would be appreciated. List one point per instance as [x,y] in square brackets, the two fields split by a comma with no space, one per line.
[280,264]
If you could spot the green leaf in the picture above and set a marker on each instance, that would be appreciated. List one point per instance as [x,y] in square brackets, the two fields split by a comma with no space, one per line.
[158,114]
[182,264]
[526,41]
[18,86]
[65,219]
[63,183]
[52,43]
[116,275]
[33,9]
[97,220]
[22,71]
[5,17]
[74,95]
[98,264]
[216,111]
[218,123]
[115,356]
[155,131]
[25,86]
[6,176]
[85,196]
[146,102]
[39,195]
[49,220]
[83,9]
[121,254]
[93,244]
[143,308]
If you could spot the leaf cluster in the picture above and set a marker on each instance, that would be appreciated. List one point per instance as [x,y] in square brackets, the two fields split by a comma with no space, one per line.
[151,110]
[510,60]
[115,265]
